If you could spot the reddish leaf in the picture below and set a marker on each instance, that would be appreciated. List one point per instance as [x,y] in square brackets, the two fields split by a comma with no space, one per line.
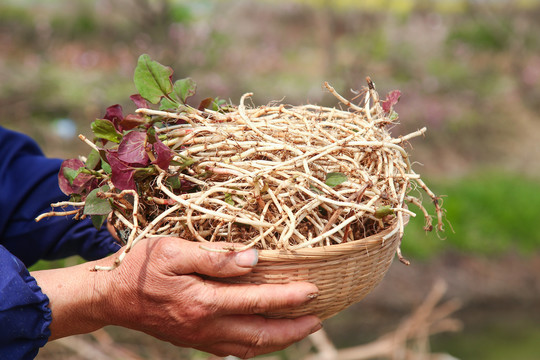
[114,114]
[131,121]
[392,99]
[132,149]
[163,154]
[139,101]
[180,186]
[206,104]
[80,183]
[122,175]
[186,185]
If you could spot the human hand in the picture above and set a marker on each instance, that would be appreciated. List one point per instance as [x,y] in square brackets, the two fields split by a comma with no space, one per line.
[160,289]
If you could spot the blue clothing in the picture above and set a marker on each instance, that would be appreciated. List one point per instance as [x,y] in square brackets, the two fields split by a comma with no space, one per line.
[28,185]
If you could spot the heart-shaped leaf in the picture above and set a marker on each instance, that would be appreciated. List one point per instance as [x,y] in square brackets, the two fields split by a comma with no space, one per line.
[392,99]
[71,174]
[93,159]
[95,205]
[104,129]
[131,121]
[72,180]
[132,149]
[98,220]
[163,154]
[152,80]
[115,114]
[122,175]
[139,101]
[184,88]
[168,104]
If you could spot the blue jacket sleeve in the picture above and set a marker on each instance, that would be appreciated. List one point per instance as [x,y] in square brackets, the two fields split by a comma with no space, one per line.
[28,185]
[24,312]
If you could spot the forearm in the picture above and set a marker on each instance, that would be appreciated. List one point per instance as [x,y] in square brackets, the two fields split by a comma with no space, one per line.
[75,295]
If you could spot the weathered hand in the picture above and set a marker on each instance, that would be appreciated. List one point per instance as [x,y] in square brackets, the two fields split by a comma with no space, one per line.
[160,289]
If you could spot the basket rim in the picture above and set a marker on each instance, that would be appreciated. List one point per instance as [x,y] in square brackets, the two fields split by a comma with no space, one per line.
[367,243]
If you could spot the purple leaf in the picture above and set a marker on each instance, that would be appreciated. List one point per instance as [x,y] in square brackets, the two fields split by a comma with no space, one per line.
[392,99]
[206,104]
[139,101]
[131,121]
[187,185]
[115,115]
[163,154]
[132,149]
[71,181]
[122,174]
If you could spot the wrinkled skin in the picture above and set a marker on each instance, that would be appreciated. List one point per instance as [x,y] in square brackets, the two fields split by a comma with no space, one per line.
[158,290]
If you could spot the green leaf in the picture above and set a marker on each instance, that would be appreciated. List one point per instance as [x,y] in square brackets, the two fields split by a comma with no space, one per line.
[151,135]
[105,166]
[183,164]
[93,159]
[95,205]
[71,174]
[104,129]
[98,220]
[383,211]
[168,104]
[335,178]
[184,88]
[229,200]
[174,182]
[75,197]
[152,80]
[218,103]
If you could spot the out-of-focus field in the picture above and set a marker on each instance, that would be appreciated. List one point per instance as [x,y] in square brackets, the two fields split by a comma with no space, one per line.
[468,70]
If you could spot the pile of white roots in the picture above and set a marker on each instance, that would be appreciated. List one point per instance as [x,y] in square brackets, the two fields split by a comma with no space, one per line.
[260,177]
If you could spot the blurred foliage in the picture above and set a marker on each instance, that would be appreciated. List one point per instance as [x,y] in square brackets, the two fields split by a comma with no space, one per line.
[517,338]
[56,264]
[482,35]
[488,213]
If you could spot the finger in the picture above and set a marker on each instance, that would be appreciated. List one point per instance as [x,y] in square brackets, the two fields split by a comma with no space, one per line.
[112,229]
[187,257]
[259,299]
[249,336]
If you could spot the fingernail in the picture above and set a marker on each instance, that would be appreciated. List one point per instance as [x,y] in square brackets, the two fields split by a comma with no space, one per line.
[316,328]
[248,258]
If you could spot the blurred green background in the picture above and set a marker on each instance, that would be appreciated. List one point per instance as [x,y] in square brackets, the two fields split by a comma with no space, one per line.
[468,70]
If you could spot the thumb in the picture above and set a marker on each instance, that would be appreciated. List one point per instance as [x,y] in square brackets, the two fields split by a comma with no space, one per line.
[188,257]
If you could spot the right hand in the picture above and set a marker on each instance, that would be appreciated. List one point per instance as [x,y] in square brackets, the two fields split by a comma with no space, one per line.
[157,289]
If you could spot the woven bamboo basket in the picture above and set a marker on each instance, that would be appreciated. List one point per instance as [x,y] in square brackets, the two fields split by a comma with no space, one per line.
[344,273]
